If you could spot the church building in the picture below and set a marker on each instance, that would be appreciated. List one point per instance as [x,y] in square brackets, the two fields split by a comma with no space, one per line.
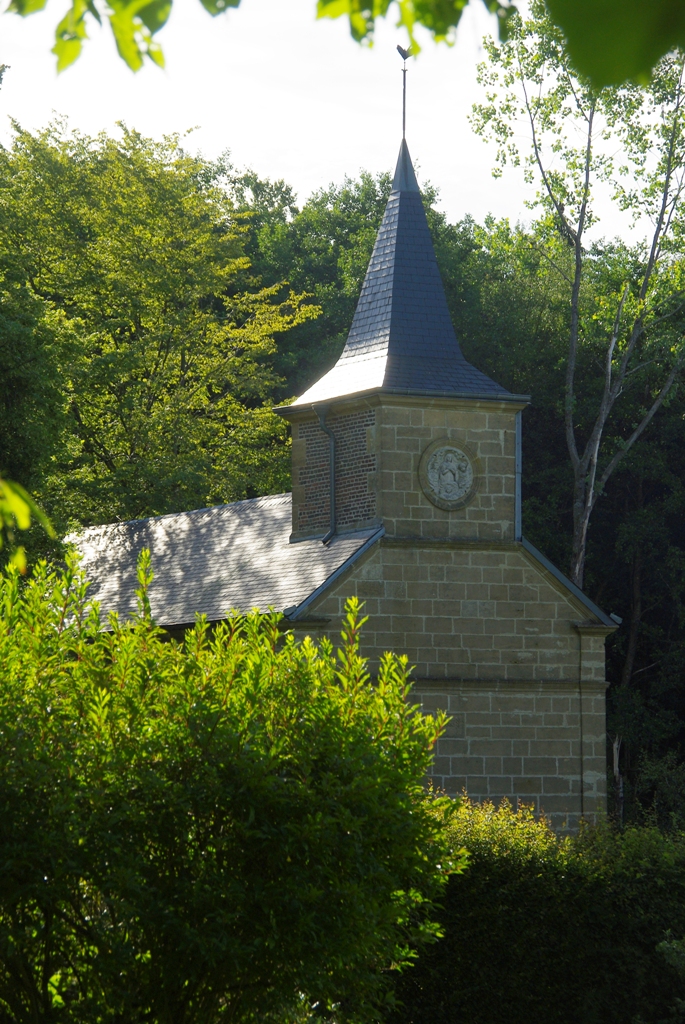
[406,491]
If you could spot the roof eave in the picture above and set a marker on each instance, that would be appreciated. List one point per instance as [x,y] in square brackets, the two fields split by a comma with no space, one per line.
[605,619]
[295,612]
[476,396]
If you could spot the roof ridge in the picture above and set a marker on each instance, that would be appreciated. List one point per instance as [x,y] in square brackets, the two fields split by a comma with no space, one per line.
[257,502]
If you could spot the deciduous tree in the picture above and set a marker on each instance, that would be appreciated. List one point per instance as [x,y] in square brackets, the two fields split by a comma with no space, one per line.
[166,346]
[234,828]
[632,139]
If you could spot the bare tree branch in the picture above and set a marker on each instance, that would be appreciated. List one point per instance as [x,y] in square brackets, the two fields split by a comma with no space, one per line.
[646,420]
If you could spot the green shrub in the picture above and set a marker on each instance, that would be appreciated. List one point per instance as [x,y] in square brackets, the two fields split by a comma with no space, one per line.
[547,931]
[209,831]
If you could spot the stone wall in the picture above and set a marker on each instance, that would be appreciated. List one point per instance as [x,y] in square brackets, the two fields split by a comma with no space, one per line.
[485,430]
[464,611]
[504,648]
[522,742]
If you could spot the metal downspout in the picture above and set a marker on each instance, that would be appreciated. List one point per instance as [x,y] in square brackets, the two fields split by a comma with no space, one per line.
[518,517]
[322,413]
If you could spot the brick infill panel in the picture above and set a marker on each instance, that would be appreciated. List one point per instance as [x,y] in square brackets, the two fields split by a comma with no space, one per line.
[355,500]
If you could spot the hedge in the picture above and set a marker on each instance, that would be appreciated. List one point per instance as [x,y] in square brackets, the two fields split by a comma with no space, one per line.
[539,930]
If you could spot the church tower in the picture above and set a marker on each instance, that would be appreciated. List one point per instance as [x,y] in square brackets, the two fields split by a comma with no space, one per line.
[408,445]
[425,444]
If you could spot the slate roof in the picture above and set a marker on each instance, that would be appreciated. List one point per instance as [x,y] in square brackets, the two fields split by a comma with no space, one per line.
[213,560]
[402,338]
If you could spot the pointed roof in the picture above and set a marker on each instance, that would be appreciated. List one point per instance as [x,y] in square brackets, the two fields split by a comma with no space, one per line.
[404,179]
[402,338]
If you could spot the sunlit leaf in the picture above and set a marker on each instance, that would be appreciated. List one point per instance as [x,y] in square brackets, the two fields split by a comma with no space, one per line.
[16,509]
[18,559]
[67,49]
[125,35]
[24,7]
[156,54]
[71,32]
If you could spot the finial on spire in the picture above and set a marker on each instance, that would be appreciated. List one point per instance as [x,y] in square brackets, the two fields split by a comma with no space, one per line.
[405,55]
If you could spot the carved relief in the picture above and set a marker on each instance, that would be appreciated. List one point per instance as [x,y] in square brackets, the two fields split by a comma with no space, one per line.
[447,474]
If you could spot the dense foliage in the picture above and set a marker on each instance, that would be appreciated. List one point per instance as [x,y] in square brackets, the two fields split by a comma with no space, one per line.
[137,351]
[219,830]
[587,929]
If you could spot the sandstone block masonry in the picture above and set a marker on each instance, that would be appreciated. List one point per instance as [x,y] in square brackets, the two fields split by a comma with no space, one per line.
[505,650]
[485,430]
[379,444]
[526,743]
[497,639]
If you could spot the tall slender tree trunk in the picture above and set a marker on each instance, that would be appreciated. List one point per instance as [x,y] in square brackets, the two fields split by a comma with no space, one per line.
[581,522]
[629,662]
[635,620]
[618,778]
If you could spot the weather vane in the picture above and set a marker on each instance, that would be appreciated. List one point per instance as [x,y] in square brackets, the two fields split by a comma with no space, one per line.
[405,55]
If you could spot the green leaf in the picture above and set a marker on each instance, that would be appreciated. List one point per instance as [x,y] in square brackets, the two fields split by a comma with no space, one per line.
[16,508]
[332,8]
[71,32]
[133,24]
[126,35]
[612,41]
[18,559]
[14,505]
[156,54]
[66,49]
[25,7]
[218,6]
[155,15]
[18,503]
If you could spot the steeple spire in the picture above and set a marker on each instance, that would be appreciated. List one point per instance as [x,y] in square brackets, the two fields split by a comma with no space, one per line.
[404,179]
[402,338]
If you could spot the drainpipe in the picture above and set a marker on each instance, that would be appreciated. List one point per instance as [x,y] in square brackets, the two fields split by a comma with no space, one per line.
[518,524]
[322,413]
[581,740]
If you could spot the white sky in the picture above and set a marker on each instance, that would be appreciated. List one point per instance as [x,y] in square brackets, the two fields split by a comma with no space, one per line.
[289,96]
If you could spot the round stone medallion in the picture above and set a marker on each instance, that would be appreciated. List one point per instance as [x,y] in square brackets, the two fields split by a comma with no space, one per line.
[447,474]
